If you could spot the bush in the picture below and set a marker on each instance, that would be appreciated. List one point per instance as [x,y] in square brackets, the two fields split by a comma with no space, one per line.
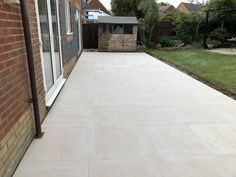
[219,34]
[158,46]
[185,26]
[214,43]
[197,44]
[170,41]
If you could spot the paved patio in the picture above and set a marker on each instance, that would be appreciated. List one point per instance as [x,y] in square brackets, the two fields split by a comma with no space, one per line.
[130,115]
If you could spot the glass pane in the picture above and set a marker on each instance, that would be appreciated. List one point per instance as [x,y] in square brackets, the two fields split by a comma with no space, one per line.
[56,38]
[107,29]
[128,29]
[47,57]
[68,17]
[118,29]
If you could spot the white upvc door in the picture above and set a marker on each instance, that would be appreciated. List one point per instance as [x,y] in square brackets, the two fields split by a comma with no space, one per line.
[50,47]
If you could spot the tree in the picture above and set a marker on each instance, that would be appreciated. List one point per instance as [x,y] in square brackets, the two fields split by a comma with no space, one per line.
[219,4]
[148,22]
[145,10]
[185,26]
[125,7]
[223,18]
[199,16]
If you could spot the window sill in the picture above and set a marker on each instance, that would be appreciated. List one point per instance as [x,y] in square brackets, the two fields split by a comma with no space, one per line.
[69,33]
[50,102]
[69,37]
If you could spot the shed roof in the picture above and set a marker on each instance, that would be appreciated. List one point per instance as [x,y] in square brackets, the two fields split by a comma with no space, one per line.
[117,20]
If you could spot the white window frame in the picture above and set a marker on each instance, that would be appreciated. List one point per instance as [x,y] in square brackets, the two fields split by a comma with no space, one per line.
[68,17]
[51,94]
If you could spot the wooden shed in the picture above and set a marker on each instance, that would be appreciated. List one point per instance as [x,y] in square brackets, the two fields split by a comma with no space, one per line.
[117,33]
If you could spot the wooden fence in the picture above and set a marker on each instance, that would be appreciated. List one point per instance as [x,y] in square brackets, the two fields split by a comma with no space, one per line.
[161,30]
[90,36]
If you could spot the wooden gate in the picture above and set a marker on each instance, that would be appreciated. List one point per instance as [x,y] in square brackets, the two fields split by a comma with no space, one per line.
[90,36]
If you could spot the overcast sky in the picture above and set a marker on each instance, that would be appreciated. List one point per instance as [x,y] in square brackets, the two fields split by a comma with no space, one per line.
[173,2]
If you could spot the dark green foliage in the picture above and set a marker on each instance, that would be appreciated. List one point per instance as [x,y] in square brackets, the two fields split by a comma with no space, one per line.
[185,26]
[219,4]
[126,8]
[219,34]
[163,4]
[149,20]
[223,19]
[215,43]
[217,37]
[170,41]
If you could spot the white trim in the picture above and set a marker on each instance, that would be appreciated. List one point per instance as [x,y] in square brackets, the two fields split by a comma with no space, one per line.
[79,31]
[52,41]
[40,44]
[59,36]
[68,16]
[53,97]
[51,94]
[69,33]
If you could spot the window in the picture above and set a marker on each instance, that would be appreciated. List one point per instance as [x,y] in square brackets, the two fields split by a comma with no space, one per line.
[68,17]
[107,29]
[118,29]
[128,29]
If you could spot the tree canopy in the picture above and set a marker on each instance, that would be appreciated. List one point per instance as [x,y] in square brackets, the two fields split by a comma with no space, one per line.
[148,22]
[125,7]
[220,4]
[223,18]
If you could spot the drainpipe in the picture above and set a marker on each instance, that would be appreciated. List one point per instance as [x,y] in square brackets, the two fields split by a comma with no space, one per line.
[30,58]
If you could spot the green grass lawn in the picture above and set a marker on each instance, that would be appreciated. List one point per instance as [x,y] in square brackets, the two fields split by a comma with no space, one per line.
[218,70]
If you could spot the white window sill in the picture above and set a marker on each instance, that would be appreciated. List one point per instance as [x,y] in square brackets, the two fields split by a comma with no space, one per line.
[69,33]
[56,92]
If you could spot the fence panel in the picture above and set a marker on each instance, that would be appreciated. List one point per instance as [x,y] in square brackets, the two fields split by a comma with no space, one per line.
[90,36]
[161,30]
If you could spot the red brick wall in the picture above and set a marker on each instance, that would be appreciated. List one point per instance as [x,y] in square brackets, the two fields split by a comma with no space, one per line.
[183,8]
[14,79]
[96,4]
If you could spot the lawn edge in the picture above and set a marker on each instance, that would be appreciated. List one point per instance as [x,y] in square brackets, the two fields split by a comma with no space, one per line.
[193,75]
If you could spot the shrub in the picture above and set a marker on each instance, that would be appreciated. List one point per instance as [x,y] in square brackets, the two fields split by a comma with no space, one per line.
[214,43]
[158,46]
[170,41]
[185,27]
[197,44]
[219,34]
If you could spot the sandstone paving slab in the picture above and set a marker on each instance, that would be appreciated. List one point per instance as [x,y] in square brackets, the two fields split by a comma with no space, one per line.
[131,115]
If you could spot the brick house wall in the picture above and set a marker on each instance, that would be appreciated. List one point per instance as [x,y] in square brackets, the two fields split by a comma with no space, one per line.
[183,8]
[69,42]
[188,8]
[96,4]
[16,114]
